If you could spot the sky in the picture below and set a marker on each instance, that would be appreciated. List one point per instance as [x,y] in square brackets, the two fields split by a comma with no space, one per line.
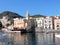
[43,7]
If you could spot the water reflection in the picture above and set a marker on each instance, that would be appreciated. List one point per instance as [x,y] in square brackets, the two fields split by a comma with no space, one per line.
[30,39]
[24,39]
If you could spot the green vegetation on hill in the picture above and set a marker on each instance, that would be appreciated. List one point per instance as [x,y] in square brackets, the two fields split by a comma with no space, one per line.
[38,15]
[10,14]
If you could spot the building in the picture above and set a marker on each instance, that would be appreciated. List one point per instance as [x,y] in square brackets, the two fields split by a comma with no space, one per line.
[57,23]
[40,22]
[19,23]
[48,23]
[24,23]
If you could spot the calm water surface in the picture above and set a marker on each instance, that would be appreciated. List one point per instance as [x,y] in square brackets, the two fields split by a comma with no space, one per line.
[29,39]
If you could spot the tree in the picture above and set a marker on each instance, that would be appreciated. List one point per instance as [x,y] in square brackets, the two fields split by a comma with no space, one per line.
[1,25]
[8,24]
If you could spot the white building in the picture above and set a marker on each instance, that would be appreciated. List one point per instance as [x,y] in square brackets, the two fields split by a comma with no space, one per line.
[39,22]
[48,24]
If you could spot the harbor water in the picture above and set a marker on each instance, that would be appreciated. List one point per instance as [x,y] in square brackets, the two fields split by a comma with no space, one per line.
[28,39]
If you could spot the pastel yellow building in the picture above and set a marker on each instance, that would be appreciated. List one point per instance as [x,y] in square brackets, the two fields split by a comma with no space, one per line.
[23,23]
[19,23]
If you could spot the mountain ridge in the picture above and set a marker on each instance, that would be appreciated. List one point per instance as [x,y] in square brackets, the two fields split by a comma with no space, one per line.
[15,15]
[10,14]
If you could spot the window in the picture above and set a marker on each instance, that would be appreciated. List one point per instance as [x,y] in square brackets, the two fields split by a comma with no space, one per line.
[38,18]
[49,26]
[49,21]
[58,28]
[57,25]
[40,22]
[45,21]
[45,25]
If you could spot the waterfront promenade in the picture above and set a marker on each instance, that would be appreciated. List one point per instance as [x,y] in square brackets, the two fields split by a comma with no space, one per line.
[9,30]
[38,30]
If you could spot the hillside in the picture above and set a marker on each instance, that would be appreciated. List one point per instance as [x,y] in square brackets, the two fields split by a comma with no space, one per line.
[38,15]
[10,14]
